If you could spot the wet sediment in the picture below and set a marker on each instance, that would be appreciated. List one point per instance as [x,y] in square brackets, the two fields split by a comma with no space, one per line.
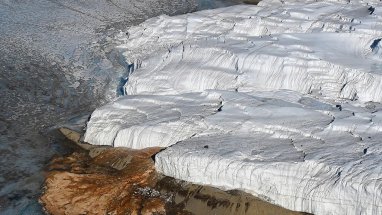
[104,180]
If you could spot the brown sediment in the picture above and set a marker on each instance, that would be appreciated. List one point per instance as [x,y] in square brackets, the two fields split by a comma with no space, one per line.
[79,184]
[108,180]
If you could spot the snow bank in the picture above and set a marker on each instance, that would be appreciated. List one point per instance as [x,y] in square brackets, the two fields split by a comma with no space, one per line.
[324,48]
[144,121]
[281,100]
[297,155]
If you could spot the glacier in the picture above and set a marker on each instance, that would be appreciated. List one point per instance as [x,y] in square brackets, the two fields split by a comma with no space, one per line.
[57,64]
[281,100]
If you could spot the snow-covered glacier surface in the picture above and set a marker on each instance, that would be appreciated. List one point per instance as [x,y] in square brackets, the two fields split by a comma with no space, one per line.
[281,100]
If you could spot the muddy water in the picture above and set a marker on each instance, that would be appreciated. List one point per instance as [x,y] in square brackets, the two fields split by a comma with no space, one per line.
[104,180]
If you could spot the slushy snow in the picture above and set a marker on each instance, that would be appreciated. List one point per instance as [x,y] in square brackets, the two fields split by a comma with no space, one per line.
[281,100]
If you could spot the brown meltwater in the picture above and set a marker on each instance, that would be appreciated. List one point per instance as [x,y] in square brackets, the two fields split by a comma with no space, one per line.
[104,180]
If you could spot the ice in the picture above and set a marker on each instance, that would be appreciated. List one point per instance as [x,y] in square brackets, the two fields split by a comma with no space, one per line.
[152,120]
[281,100]
[288,154]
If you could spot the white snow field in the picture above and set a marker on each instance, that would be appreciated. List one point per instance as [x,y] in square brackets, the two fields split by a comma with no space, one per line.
[281,100]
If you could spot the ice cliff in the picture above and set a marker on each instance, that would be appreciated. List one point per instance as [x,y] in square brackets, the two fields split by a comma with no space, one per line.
[281,100]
